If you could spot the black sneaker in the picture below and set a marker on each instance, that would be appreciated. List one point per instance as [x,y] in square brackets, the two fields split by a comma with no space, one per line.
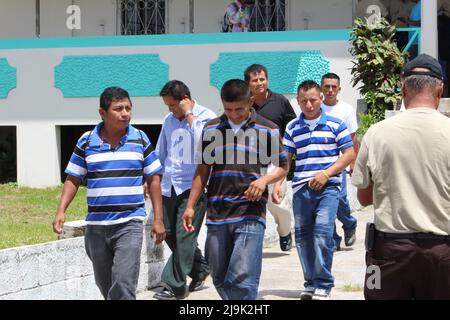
[350,237]
[197,285]
[168,294]
[286,242]
[337,247]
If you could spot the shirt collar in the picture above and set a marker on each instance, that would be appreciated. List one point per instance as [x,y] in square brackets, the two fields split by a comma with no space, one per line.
[95,140]
[322,121]
[250,119]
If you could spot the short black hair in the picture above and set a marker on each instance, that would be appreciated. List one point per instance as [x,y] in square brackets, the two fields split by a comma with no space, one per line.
[175,89]
[330,75]
[235,90]
[254,68]
[308,85]
[112,94]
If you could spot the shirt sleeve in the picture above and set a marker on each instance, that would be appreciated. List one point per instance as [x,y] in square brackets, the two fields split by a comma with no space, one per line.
[288,142]
[281,156]
[77,166]
[152,165]
[161,146]
[351,121]
[343,137]
[361,176]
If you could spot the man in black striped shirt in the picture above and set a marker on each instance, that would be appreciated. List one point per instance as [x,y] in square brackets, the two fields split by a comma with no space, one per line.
[235,147]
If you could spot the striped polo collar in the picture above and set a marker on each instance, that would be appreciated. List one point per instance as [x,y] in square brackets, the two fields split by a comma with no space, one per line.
[95,141]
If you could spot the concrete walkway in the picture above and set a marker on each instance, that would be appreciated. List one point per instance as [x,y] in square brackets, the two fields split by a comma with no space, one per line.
[282,276]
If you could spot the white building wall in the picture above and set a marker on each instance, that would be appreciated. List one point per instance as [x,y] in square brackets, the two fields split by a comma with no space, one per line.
[17,19]
[321,14]
[178,20]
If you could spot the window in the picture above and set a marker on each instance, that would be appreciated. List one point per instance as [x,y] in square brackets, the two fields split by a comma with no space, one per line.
[143,17]
[267,15]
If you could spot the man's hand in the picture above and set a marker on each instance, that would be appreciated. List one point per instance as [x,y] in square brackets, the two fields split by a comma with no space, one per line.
[188,215]
[277,194]
[58,222]
[158,231]
[186,105]
[318,181]
[255,190]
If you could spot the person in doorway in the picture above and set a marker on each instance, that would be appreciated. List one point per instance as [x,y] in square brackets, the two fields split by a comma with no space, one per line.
[113,158]
[237,17]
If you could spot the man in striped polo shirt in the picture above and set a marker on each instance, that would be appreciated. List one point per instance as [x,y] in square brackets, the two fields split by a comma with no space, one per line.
[316,139]
[234,149]
[114,157]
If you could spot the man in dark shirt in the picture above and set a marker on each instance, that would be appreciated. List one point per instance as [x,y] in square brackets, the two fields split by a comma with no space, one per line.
[276,108]
[235,147]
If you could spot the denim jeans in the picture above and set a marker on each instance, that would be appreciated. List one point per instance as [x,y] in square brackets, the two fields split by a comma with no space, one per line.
[314,214]
[115,252]
[344,212]
[234,254]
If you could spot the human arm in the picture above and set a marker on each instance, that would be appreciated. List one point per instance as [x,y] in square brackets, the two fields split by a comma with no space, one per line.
[362,177]
[277,192]
[365,195]
[356,149]
[154,186]
[198,185]
[320,179]
[69,191]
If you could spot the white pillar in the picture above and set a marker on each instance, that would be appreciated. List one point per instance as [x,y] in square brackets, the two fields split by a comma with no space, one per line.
[429,35]
[38,159]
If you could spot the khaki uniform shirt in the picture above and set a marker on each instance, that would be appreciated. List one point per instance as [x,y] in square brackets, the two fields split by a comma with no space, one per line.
[407,157]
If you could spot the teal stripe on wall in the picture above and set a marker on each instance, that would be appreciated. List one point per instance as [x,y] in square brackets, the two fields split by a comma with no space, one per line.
[178,39]
[8,78]
[88,76]
[287,69]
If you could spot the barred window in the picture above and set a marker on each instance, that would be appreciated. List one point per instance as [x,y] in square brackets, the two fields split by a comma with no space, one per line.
[267,15]
[143,17]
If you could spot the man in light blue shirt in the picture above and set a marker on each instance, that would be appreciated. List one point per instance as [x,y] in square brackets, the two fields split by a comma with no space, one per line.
[180,134]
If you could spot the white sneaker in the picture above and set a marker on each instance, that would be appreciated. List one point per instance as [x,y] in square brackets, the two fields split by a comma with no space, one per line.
[321,294]
[307,293]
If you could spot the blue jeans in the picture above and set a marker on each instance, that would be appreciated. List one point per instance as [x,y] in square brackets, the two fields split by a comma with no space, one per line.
[115,252]
[234,254]
[344,212]
[314,214]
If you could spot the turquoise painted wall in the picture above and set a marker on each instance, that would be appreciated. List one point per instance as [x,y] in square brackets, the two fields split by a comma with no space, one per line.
[88,76]
[8,78]
[287,69]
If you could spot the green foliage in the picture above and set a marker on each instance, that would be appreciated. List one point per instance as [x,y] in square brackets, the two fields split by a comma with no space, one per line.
[26,214]
[376,67]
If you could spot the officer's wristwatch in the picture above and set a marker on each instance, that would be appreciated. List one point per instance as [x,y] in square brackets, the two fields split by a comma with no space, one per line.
[187,113]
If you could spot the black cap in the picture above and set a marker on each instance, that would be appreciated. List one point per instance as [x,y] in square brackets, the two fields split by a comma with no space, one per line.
[426,62]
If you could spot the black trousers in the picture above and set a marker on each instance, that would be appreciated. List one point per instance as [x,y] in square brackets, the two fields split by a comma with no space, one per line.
[408,269]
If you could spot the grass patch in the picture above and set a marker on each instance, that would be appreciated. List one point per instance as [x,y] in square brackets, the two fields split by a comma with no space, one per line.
[26,214]
[352,288]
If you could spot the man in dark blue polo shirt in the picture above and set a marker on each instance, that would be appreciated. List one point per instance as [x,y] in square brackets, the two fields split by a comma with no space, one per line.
[235,147]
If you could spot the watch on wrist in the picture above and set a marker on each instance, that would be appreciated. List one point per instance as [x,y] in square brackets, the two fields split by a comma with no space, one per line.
[187,113]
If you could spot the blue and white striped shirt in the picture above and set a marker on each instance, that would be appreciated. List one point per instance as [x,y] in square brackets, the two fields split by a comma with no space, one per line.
[317,148]
[114,176]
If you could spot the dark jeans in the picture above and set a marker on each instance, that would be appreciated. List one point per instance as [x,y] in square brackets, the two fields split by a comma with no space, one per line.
[115,252]
[234,253]
[408,269]
[186,258]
